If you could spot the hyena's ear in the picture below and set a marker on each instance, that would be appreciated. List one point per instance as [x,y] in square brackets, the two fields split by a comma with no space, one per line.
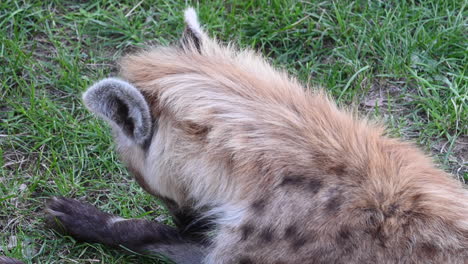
[122,105]
[193,35]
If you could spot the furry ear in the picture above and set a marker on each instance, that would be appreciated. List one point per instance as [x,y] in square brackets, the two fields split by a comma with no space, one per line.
[121,104]
[193,34]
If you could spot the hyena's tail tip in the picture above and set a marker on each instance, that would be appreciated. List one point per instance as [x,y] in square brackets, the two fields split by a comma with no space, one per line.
[191,19]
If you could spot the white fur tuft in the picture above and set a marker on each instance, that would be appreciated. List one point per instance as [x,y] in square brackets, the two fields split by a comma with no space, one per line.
[191,19]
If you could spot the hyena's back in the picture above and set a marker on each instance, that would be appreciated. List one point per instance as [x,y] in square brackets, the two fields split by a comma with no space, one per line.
[294,179]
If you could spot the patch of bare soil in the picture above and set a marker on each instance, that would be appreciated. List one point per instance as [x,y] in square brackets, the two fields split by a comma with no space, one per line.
[391,98]
[383,92]
[457,156]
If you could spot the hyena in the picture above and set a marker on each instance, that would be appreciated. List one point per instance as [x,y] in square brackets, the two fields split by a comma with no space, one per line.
[256,169]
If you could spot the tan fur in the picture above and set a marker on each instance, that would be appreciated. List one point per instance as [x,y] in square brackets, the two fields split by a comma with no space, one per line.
[290,177]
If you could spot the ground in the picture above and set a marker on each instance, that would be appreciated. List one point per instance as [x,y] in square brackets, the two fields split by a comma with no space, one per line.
[402,62]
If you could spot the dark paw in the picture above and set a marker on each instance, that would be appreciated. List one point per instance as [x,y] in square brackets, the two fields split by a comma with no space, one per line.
[80,220]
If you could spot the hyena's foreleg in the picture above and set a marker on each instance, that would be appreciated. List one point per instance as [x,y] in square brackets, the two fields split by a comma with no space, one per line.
[87,223]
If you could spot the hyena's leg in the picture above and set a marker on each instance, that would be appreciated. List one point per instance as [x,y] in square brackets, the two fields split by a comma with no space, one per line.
[87,223]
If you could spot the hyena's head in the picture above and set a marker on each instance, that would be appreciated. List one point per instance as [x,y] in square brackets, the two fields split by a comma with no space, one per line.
[157,136]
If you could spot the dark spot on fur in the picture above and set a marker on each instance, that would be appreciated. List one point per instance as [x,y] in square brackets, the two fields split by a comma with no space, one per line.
[391,211]
[259,205]
[345,242]
[373,217]
[246,231]
[290,232]
[310,184]
[379,236]
[195,129]
[314,185]
[343,236]
[393,208]
[339,169]
[335,201]
[293,180]
[298,242]
[245,260]
[428,249]
[266,234]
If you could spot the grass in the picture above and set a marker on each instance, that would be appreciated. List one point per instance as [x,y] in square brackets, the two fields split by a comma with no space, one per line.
[403,61]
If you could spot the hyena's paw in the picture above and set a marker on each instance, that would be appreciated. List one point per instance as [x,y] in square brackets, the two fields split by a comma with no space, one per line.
[81,220]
